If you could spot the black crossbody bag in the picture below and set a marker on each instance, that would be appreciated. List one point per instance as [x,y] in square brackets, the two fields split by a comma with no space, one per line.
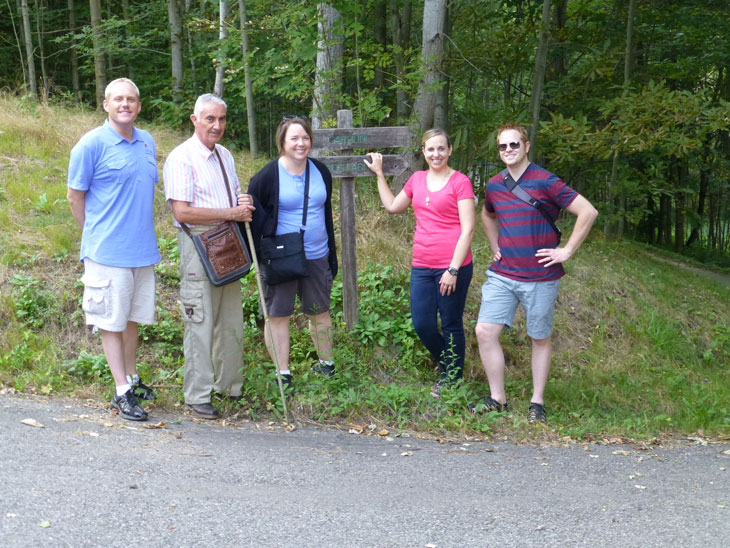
[522,194]
[283,255]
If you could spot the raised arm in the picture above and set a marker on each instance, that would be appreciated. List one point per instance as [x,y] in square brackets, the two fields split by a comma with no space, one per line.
[391,203]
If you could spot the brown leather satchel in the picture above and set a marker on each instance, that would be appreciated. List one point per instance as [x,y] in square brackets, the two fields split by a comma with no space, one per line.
[221,249]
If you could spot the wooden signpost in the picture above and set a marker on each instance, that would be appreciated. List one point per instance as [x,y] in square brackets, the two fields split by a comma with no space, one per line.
[346,167]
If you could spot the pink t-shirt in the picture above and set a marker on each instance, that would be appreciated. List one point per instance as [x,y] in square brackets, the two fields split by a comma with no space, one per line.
[437,219]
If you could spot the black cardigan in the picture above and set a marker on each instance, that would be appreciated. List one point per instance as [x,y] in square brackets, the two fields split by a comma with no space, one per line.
[264,187]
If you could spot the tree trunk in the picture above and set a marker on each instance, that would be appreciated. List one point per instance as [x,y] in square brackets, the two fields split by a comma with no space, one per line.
[41,50]
[250,111]
[175,17]
[32,84]
[441,109]
[328,76]
[380,13]
[221,61]
[611,201]
[99,63]
[434,13]
[72,52]
[539,77]
[401,25]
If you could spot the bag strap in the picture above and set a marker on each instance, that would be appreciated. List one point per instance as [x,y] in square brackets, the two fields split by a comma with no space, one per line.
[522,194]
[306,199]
[228,190]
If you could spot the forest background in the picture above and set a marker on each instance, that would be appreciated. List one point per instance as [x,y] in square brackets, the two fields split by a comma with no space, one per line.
[626,100]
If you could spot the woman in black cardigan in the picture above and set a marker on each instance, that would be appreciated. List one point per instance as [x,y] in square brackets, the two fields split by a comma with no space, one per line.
[279,192]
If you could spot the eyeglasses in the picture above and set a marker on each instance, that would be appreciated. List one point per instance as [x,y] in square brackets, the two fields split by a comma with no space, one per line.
[514,146]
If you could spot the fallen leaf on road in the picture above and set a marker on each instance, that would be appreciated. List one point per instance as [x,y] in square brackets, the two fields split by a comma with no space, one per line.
[640,486]
[622,452]
[92,434]
[357,428]
[45,524]
[32,422]
[160,424]
[383,432]
[406,454]
[430,546]
[726,452]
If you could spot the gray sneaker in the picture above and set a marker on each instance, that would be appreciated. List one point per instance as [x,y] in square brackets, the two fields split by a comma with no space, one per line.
[128,407]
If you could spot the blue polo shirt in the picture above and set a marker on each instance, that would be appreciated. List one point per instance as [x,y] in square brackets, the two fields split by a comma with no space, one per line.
[119,179]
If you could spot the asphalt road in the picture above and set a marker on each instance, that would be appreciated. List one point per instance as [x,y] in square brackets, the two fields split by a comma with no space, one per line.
[87,478]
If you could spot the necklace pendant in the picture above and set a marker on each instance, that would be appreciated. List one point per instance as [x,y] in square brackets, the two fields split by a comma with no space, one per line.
[428,199]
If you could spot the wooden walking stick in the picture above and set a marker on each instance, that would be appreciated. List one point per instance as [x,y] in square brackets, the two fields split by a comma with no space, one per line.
[267,326]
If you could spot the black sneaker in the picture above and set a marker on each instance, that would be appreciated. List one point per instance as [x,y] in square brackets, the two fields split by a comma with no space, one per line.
[142,391]
[537,414]
[287,384]
[490,404]
[128,407]
[324,369]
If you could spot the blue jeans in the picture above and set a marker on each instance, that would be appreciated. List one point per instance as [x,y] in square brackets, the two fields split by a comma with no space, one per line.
[447,345]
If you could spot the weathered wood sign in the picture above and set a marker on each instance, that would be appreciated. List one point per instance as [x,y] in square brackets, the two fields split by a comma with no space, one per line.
[363,137]
[353,166]
[346,167]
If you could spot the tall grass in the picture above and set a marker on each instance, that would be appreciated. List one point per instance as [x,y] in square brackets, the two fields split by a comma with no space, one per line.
[641,349]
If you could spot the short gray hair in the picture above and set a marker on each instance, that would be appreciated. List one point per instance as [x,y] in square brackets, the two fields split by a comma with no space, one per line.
[204,100]
[108,90]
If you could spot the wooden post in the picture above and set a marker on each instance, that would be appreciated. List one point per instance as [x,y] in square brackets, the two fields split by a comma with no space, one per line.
[346,166]
[347,232]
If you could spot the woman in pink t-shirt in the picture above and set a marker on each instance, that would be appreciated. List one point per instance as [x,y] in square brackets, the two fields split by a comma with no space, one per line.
[443,202]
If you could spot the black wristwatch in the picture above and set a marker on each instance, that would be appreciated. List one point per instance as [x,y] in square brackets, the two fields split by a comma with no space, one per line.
[453,271]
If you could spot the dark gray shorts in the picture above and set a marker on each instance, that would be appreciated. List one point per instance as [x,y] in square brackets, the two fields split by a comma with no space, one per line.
[314,291]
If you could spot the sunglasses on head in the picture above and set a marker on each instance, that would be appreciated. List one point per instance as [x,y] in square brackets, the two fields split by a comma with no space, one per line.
[292,117]
[514,146]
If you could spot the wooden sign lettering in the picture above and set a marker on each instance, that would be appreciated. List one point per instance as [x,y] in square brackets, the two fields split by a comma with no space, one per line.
[353,166]
[369,137]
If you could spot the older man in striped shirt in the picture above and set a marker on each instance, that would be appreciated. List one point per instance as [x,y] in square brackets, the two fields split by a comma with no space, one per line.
[196,189]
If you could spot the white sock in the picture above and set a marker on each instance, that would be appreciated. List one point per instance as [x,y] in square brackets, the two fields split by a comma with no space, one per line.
[325,362]
[123,389]
[133,379]
[284,372]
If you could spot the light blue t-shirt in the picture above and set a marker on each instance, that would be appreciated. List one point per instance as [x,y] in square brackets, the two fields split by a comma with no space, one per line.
[291,204]
[119,179]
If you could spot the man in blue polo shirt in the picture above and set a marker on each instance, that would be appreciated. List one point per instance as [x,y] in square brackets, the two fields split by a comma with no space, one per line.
[527,265]
[111,181]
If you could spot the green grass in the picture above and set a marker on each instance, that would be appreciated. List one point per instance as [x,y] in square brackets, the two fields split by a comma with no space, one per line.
[641,348]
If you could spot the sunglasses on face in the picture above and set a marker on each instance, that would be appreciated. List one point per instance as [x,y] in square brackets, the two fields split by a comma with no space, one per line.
[514,146]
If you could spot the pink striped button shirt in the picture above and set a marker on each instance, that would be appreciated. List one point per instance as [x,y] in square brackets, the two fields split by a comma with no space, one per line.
[193,174]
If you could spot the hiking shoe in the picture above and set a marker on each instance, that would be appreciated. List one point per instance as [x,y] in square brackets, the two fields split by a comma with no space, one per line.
[204,410]
[490,404]
[537,414]
[324,369]
[128,407]
[143,392]
[436,389]
[287,384]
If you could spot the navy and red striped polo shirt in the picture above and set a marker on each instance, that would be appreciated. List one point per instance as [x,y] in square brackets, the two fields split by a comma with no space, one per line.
[522,228]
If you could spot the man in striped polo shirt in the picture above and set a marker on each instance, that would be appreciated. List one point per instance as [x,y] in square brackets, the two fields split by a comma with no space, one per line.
[197,190]
[527,265]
